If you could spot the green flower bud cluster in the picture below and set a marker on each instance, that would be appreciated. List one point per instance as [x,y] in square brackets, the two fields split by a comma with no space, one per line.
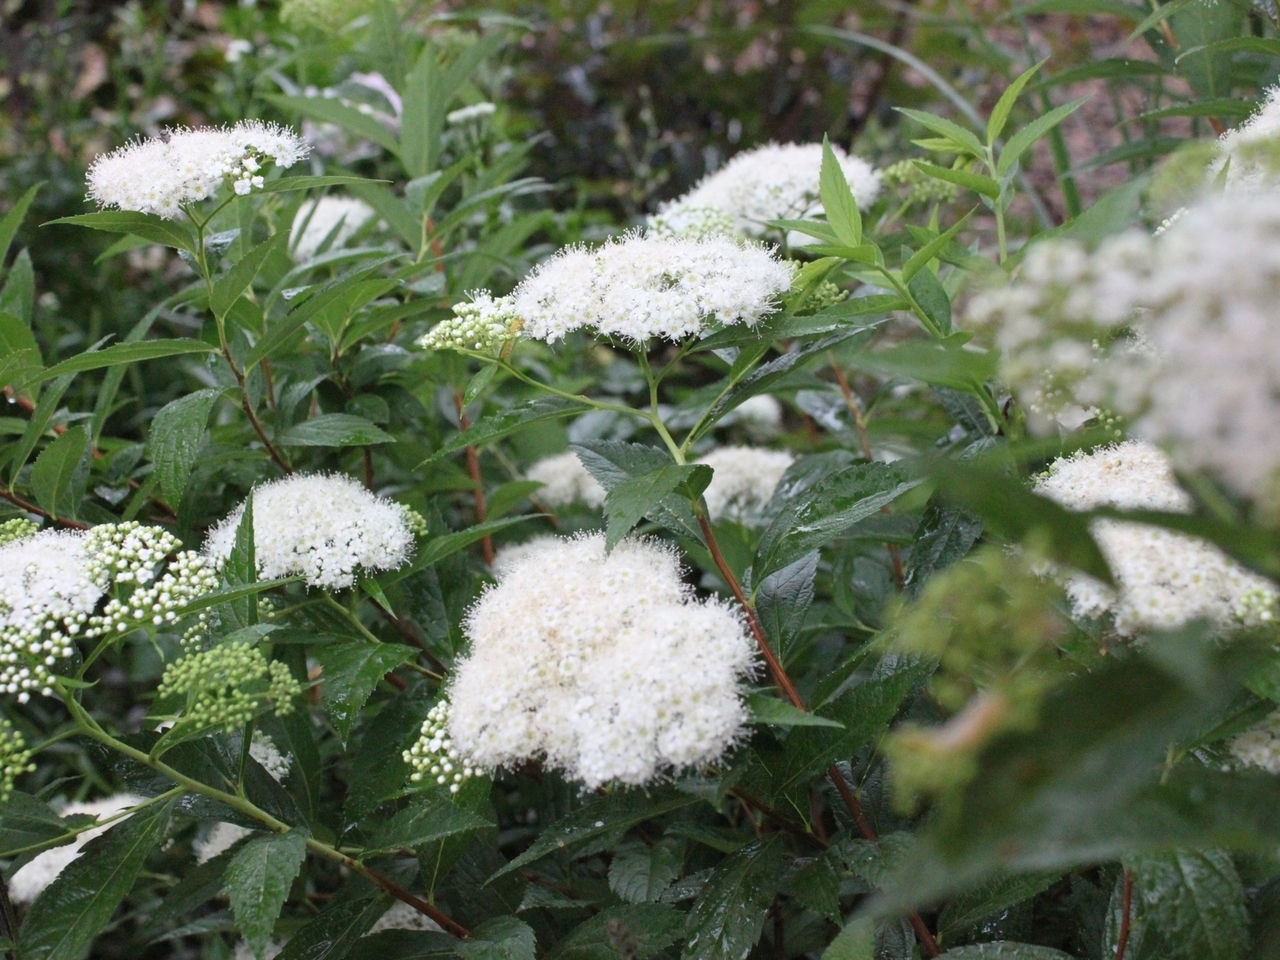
[482,323]
[127,552]
[824,295]
[16,529]
[15,758]
[228,685]
[694,222]
[921,188]
[190,576]
[434,754]
[416,522]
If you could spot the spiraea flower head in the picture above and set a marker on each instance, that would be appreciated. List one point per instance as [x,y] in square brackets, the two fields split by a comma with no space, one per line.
[604,665]
[16,529]
[565,480]
[482,323]
[1165,578]
[1260,746]
[30,880]
[1250,153]
[322,527]
[15,758]
[161,175]
[743,481]
[636,287]
[434,757]
[227,686]
[773,182]
[332,219]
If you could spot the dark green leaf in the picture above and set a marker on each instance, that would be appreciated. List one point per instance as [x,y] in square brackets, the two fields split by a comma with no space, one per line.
[972,906]
[636,931]
[423,823]
[27,822]
[333,934]
[378,768]
[241,570]
[936,305]
[783,600]
[258,881]
[1005,950]
[73,910]
[946,534]
[56,471]
[334,430]
[640,876]
[779,713]
[285,184]
[726,921]
[446,545]
[637,497]
[171,233]
[13,219]
[19,353]
[817,886]
[614,463]
[945,364]
[175,439]
[501,938]
[124,353]
[351,671]
[18,295]
[228,287]
[933,299]
[506,423]
[404,945]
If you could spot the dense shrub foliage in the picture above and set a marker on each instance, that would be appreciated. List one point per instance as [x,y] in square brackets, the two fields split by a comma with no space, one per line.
[613,483]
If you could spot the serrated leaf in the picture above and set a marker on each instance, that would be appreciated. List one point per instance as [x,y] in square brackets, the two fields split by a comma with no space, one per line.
[351,671]
[1004,950]
[500,938]
[506,423]
[612,814]
[783,599]
[334,430]
[933,299]
[228,287]
[947,534]
[1021,141]
[446,545]
[945,364]
[286,184]
[56,471]
[378,768]
[837,199]
[423,823]
[727,918]
[635,931]
[27,822]
[333,934]
[175,439]
[972,906]
[856,941]
[18,295]
[404,945]
[123,353]
[637,497]
[171,233]
[73,910]
[258,881]
[817,886]
[926,253]
[640,876]
[779,713]
[615,462]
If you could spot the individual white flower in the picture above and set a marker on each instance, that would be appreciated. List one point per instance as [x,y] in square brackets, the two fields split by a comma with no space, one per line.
[482,323]
[565,480]
[472,114]
[1165,578]
[743,482]
[761,415]
[317,220]
[163,174]
[773,182]
[637,287]
[322,527]
[29,881]
[1260,747]
[603,664]
[223,836]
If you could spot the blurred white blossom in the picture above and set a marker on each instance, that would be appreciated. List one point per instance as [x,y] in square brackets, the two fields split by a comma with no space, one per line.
[565,480]
[317,220]
[744,481]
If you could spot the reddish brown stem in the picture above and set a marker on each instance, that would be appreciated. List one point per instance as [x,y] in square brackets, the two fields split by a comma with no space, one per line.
[253,417]
[473,470]
[448,924]
[786,824]
[1126,905]
[779,675]
[368,469]
[17,501]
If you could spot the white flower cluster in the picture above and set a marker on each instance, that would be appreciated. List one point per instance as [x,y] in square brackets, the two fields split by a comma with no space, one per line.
[565,480]
[30,880]
[604,664]
[223,836]
[1165,578]
[637,287]
[163,174]
[481,323]
[317,220]
[1065,331]
[511,554]
[322,527]
[190,576]
[434,755]
[1251,152]
[773,182]
[743,482]
[46,597]
[1260,747]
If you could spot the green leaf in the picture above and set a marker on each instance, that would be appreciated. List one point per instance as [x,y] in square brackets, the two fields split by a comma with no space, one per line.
[977,182]
[285,184]
[640,876]
[1021,141]
[783,599]
[28,822]
[404,945]
[817,886]
[258,881]
[423,823]
[59,470]
[968,909]
[334,430]
[1000,113]
[857,941]
[946,363]
[18,295]
[13,219]
[1082,8]
[1156,17]
[1005,950]
[228,287]
[351,671]
[74,909]
[333,934]
[123,353]
[726,921]
[1229,109]
[837,199]
[378,768]
[946,535]
[236,593]
[241,570]
[333,111]
[637,497]
[506,423]
[964,141]
[615,813]
[634,931]
[920,258]
[500,938]
[175,439]
[614,463]
[779,713]
[171,233]
[478,383]
[838,317]
[20,359]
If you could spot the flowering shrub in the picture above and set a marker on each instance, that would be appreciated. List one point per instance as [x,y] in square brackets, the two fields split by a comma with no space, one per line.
[837,560]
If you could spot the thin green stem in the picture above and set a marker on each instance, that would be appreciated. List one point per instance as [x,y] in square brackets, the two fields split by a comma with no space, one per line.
[677,452]
[74,832]
[576,397]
